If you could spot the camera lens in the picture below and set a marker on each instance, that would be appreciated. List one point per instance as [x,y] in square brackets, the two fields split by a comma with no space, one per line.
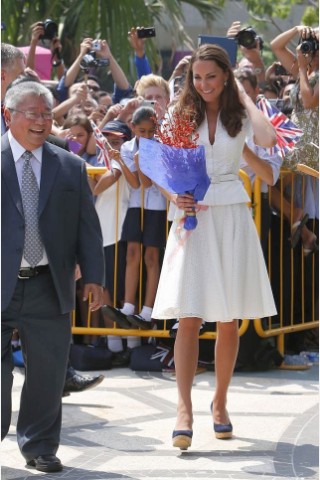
[247,37]
[306,46]
[309,46]
[88,61]
[50,29]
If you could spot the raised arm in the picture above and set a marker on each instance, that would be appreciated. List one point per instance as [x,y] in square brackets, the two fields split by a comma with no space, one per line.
[74,69]
[263,130]
[117,73]
[308,63]
[279,46]
[141,60]
[37,30]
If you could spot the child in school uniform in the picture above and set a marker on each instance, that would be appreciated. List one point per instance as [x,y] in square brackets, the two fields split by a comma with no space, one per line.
[142,226]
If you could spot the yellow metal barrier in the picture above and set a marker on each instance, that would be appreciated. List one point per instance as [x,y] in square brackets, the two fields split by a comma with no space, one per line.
[159,332]
[273,326]
[292,265]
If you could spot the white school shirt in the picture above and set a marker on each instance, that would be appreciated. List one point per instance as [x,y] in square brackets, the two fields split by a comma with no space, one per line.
[153,198]
[111,206]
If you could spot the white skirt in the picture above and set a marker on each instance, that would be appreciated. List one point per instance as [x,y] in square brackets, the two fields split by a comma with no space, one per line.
[216,272]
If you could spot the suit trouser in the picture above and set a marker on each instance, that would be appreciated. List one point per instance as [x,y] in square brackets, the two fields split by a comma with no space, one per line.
[45,342]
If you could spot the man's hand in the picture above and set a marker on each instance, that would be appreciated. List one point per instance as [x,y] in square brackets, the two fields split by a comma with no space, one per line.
[96,295]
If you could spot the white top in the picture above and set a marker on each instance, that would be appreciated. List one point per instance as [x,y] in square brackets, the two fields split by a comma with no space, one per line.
[217,271]
[111,206]
[226,187]
[153,198]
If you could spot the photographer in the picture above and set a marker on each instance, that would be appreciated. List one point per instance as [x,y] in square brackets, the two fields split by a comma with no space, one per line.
[250,46]
[46,31]
[140,58]
[304,67]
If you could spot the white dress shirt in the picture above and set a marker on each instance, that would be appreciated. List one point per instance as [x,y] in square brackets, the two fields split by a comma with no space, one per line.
[36,162]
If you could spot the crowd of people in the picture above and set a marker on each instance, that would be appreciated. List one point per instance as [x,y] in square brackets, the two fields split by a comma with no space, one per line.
[100,231]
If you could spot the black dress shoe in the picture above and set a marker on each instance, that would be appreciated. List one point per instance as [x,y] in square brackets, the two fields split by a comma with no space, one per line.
[116,316]
[79,383]
[46,463]
[121,359]
[140,322]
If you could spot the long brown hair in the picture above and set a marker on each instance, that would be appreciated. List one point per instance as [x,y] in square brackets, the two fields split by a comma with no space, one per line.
[231,109]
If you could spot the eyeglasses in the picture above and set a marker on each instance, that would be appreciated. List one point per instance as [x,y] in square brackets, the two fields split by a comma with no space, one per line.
[34,115]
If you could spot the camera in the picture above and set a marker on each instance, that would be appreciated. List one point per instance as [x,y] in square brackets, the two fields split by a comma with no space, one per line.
[147,103]
[309,46]
[90,61]
[50,29]
[146,32]
[280,70]
[248,38]
[96,46]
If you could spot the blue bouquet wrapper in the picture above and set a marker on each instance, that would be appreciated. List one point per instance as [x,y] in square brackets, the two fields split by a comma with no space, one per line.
[177,170]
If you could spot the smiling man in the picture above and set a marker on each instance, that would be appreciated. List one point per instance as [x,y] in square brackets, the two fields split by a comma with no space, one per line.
[49,224]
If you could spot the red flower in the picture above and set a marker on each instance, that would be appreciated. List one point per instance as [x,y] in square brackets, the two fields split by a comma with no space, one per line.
[178,131]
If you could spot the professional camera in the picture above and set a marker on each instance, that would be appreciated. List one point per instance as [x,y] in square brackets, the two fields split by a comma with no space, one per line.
[309,46]
[91,61]
[248,38]
[50,29]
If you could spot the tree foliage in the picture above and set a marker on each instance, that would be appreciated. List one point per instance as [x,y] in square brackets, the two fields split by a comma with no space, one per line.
[269,12]
[107,19]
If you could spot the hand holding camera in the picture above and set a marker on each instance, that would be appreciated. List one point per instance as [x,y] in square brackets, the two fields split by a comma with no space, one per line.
[147,32]
[50,29]
[136,42]
[85,46]
[248,38]
[309,42]
[37,32]
[97,48]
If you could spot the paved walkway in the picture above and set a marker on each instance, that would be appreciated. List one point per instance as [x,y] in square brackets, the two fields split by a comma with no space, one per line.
[122,430]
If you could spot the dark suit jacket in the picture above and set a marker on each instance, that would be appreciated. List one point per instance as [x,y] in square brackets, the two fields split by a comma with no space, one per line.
[59,142]
[68,223]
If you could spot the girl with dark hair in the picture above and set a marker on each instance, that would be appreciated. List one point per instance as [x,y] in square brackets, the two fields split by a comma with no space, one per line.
[217,273]
[144,224]
[80,130]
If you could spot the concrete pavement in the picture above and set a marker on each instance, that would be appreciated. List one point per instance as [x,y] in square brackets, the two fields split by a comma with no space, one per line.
[122,429]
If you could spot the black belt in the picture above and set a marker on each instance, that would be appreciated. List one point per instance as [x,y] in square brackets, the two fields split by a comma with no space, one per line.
[265,195]
[30,272]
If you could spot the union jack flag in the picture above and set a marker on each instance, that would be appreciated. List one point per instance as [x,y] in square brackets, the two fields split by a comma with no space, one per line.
[288,134]
[103,157]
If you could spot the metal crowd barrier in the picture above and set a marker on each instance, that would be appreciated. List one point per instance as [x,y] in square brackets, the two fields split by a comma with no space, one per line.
[294,277]
[163,332]
[299,269]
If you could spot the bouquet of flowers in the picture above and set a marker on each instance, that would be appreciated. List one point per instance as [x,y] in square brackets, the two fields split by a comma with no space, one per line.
[176,163]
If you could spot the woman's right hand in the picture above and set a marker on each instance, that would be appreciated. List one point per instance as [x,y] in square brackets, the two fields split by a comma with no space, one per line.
[185,202]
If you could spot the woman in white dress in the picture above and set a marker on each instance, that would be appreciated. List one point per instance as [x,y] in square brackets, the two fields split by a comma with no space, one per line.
[217,273]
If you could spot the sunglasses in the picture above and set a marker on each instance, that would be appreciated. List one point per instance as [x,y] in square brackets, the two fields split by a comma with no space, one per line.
[94,88]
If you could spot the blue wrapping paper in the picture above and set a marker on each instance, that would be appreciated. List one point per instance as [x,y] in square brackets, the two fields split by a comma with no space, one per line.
[177,170]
